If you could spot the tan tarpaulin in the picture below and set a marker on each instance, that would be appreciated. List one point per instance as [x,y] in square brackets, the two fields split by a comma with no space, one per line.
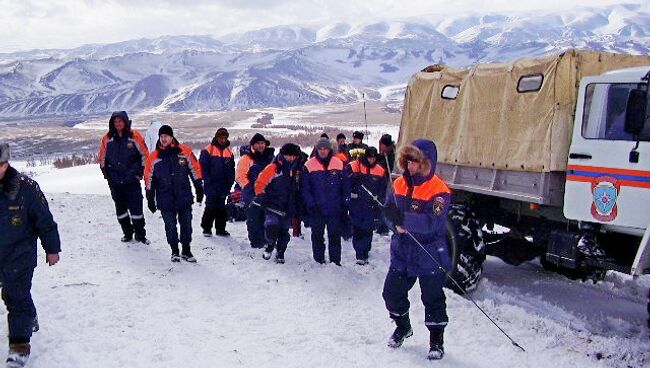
[490,124]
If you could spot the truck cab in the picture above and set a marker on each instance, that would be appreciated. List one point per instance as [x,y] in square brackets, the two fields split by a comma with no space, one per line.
[608,170]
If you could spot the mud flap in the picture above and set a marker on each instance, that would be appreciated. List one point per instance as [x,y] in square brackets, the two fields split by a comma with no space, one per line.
[641,263]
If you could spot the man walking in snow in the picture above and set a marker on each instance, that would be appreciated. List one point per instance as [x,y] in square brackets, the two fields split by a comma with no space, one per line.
[122,156]
[365,174]
[218,167]
[323,190]
[24,217]
[167,176]
[276,191]
[418,208]
[248,169]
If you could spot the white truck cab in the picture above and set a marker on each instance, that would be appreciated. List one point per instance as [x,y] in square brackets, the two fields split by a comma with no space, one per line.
[608,170]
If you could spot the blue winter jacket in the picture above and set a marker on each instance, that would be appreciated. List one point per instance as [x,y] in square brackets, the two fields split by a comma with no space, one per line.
[277,186]
[364,209]
[424,203]
[323,187]
[122,158]
[168,174]
[218,167]
[250,165]
[24,216]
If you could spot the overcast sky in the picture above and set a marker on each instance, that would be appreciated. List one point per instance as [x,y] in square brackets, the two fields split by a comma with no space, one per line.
[30,24]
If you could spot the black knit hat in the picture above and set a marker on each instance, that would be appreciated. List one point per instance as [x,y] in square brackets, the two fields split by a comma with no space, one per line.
[222,132]
[290,149]
[371,152]
[166,129]
[340,136]
[386,140]
[258,138]
[357,135]
[324,135]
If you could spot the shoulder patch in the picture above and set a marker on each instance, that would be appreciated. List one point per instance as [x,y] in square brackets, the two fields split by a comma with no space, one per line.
[438,205]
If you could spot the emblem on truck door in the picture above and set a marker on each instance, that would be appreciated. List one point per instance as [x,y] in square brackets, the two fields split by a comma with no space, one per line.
[605,191]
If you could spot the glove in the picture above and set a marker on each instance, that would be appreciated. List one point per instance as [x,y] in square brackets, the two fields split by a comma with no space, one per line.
[151,203]
[198,186]
[394,215]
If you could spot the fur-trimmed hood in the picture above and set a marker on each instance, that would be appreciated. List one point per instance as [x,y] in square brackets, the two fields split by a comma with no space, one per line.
[421,150]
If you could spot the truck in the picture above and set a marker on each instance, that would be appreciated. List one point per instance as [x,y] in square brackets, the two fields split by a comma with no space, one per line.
[553,150]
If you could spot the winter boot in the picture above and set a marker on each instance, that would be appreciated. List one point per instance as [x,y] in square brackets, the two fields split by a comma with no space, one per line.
[187,254]
[402,331]
[279,258]
[436,351]
[127,228]
[207,233]
[222,233]
[143,240]
[362,262]
[18,355]
[268,251]
[175,256]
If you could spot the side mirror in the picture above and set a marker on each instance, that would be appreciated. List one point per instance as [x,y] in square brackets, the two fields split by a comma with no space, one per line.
[635,116]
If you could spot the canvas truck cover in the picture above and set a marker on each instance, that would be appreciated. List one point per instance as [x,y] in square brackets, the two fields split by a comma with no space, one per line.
[490,124]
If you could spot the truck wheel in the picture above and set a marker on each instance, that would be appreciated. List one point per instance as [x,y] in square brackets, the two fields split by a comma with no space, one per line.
[467,248]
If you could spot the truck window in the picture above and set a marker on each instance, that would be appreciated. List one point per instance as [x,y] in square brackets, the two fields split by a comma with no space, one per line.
[449,92]
[530,83]
[604,112]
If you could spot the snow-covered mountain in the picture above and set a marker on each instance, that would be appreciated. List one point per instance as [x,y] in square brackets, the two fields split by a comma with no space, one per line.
[292,65]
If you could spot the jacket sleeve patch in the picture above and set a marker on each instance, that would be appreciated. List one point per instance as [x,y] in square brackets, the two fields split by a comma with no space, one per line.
[438,205]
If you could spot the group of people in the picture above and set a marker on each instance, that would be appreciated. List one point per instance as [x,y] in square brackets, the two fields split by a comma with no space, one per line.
[341,188]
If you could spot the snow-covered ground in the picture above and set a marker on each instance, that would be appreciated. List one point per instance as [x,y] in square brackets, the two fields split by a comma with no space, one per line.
[109,304]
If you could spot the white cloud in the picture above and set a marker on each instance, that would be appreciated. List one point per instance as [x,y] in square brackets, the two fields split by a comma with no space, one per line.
[28,24]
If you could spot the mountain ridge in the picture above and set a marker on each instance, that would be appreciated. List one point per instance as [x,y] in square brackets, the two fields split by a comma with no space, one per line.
[292,65]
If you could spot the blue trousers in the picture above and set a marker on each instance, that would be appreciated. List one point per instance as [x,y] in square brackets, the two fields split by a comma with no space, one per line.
[17,296]
[255,226]
[128,208]
[361,241]
[215,214]
[182,218]
[318,224]
[396,289]
[276,232]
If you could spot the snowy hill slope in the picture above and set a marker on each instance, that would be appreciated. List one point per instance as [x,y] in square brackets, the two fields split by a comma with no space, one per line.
[107,304]
[293,65]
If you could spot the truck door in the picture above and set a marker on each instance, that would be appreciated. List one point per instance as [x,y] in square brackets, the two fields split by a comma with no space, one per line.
[602,184]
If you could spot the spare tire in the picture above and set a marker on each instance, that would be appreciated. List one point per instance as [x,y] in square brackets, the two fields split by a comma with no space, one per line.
[467,249]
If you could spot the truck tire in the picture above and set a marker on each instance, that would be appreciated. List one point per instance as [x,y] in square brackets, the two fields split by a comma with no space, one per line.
[467,248]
